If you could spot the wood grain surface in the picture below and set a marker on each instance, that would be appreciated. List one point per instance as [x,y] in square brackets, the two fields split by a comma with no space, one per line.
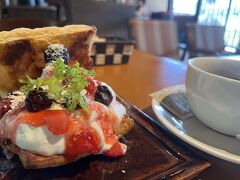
[144,74]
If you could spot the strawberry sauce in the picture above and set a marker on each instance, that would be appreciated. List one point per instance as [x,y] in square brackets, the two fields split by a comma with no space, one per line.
[80,137]
[81,140]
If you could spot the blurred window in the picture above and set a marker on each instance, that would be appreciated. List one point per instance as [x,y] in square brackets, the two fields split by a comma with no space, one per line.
[232,32]
[186,7]
[224,13]
[154,6]
[213,12]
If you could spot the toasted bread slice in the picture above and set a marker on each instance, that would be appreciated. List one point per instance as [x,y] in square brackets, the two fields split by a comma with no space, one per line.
[34,161]
[22,51]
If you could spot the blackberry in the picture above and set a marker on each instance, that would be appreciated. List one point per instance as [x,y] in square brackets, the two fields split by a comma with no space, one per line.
[103,95]
[4,106]
[37,100]
[55,51]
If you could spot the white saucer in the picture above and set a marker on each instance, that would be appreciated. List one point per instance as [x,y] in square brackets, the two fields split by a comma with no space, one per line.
[194,132]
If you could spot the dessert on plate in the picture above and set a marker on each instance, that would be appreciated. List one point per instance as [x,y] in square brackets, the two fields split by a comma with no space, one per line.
[63,115]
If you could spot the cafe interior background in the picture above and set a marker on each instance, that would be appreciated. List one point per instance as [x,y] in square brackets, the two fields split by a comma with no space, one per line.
[161,27]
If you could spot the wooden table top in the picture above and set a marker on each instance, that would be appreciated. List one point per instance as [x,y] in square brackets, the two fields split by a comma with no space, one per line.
[144,74]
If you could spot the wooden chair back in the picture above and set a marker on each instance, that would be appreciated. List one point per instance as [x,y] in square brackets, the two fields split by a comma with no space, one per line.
[158,37]
[205,39]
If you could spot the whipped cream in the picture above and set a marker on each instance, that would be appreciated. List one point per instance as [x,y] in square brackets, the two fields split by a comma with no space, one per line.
[41,141]
[103,145]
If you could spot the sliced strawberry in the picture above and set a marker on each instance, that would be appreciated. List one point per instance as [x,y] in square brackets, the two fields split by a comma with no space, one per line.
[91,88]
[57,121]
[34,119]
[85,141]
[115,151]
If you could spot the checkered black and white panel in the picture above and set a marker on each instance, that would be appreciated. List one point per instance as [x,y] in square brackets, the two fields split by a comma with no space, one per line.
[118,53]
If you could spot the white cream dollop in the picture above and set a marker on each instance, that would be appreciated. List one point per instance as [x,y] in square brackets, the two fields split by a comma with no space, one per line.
[118,109]
[103,145]
[39,140]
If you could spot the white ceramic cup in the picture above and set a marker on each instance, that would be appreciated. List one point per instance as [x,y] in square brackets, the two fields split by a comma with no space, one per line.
[213,93]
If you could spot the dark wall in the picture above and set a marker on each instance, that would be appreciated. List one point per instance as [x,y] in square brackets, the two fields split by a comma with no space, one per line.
[111,19]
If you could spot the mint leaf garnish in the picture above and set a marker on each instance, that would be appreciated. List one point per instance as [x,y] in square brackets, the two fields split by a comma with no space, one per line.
[64,86]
